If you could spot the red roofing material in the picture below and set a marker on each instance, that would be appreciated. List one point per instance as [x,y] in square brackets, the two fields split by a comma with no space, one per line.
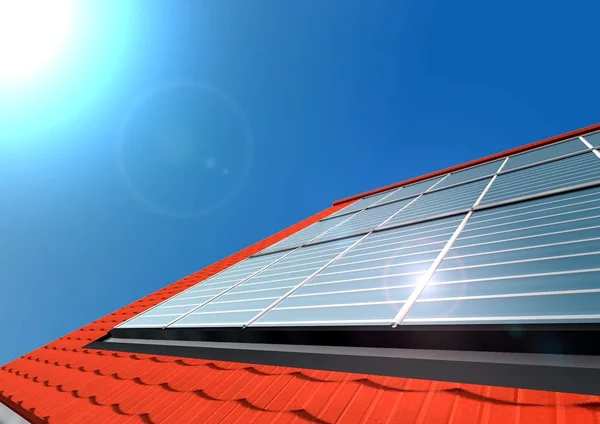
[63,382]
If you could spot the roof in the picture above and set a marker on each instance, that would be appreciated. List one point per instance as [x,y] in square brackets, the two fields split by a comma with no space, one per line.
[63,382]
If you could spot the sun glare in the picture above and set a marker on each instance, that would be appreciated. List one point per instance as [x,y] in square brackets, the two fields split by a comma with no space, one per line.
[32,33]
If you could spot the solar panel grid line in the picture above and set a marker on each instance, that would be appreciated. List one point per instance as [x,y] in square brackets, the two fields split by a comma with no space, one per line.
[438,182]
[541,154]
[540,195]
[399,318]
[283,249]
[353,291]
[355,233]
[573,176]
[512,295]
[441,203]
[520,261]
[508,277]
[339,305]
[398,211]
[539,246]
[389,241]
[409,194]
[228,289]
[423,219]
[587,144]
[552,215]
[486,189]
[528,237]
[182,292]
[533,227]
[291,291]
[527,210]
[382,200]
[545,161]
[362,203]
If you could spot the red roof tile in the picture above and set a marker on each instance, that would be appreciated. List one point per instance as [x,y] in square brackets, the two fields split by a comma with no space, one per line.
[63,382]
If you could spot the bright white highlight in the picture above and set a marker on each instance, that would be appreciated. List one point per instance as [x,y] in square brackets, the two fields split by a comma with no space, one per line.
[32,33]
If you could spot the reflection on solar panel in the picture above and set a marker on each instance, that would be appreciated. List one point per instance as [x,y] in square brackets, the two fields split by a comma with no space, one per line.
[370,283]
[537,261]
[518,260]
[545,153]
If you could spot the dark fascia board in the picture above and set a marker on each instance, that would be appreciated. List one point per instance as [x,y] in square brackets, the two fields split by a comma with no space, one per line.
[564,358]
[521,149]
[569,339]
[562,373]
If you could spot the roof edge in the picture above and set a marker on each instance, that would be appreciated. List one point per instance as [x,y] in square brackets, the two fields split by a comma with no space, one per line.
[21,412]
[475,162]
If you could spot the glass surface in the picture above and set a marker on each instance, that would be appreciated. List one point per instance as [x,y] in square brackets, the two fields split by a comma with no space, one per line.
[340,315]
[549,308]
[261,290]
[452,199]
[383,268]
[562,173]
[544,153]
[307,234]
[519,261]
[363,203]
[366,220]
[471,173]
[413,189]
[201,292]
[593,139]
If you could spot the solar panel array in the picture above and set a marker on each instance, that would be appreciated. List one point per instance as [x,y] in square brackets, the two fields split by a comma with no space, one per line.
[515,240]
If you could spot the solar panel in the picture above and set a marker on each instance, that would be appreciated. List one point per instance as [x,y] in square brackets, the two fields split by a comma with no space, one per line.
[544,153]
[448,200]
[484,170]
[549,176]
[412,190]
[308,234]
[366,220]
[363,203]
[535,261]
[370,283]
[203,292]
[249,298]
[593,139]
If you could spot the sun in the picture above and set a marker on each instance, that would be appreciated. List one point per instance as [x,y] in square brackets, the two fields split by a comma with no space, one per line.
[32,34]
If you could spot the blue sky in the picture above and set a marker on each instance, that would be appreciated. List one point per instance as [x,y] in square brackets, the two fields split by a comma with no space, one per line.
[175,133]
